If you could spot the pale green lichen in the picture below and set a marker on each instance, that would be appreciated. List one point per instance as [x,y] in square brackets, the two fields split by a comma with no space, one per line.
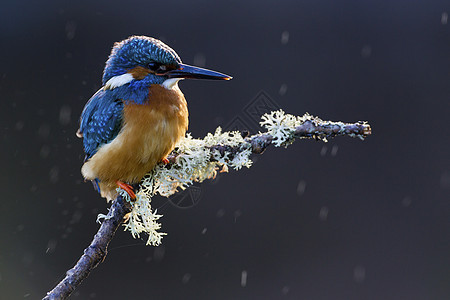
[143,219]
[197,160]
[194,162]
[282,126]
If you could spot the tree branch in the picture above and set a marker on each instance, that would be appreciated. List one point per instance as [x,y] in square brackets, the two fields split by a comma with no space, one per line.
[94,254]
[313,128]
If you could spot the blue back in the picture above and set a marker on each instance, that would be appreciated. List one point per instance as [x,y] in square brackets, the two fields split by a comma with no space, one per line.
[101,121]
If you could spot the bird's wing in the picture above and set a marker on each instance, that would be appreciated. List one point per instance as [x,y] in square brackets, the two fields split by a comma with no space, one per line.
[101,121]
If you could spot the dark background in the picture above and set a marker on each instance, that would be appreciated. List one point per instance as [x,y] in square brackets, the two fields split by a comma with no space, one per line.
[343,220]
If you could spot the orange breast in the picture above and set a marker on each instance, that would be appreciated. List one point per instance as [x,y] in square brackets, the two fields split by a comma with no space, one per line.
[149,134]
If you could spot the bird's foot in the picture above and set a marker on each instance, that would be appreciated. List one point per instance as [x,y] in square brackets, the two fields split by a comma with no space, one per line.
[165,161]
[127,188]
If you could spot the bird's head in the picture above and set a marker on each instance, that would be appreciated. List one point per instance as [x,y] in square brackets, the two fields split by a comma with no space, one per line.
[140,61]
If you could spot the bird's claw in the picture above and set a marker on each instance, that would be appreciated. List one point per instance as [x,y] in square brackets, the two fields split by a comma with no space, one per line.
[127,188]
[165,161]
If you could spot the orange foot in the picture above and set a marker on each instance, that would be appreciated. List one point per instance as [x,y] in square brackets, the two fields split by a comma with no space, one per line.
[165,160]
[127,188]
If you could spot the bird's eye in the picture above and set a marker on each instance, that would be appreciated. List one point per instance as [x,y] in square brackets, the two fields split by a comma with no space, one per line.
[162,68]
[153,65]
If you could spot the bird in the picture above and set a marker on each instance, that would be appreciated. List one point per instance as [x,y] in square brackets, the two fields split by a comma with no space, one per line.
[138,115]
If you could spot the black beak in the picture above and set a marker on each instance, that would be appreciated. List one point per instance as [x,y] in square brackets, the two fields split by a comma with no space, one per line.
[187,71]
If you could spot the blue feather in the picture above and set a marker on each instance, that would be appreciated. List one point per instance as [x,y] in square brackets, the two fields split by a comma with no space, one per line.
[96,184]
[101,121]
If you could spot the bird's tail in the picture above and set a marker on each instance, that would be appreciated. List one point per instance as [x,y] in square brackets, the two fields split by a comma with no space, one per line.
[96,184]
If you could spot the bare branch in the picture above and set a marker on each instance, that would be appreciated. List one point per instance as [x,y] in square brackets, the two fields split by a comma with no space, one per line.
[94,254]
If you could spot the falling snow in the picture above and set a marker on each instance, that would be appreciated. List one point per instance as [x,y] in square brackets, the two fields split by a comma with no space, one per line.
[445,180]
[159,253]
[334,150]
[366,51]
[54,174]
[44,131]
[244,278]
[284,37]
[19,125]
[301,187]
[285,290]
[323,213]
[220,213]
[406,201]
[359,274]
[186,278]
[65,115]
[444,18]
[51,246]
[45,151]
[283,89]
[71,28]
[199,60]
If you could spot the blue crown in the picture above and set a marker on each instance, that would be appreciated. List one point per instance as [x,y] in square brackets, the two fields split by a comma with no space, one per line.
[137,51]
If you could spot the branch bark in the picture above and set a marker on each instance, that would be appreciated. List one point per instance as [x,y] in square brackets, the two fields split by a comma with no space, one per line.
[94,254]
[97,250]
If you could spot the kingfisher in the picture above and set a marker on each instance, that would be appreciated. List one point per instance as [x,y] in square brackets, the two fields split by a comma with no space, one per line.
[135,119]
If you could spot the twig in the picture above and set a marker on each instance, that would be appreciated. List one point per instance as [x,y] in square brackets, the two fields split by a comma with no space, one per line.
[96,252]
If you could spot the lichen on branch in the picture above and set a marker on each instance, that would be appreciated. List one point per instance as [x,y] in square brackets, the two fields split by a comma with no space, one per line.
[194,160]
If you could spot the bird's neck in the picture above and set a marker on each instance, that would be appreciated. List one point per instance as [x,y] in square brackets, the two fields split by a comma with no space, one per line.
[139,94]
[136,91]
[129,93]
[171,83]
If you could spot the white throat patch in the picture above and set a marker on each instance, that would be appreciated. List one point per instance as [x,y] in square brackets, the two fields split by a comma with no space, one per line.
[171,83]
[119,80]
